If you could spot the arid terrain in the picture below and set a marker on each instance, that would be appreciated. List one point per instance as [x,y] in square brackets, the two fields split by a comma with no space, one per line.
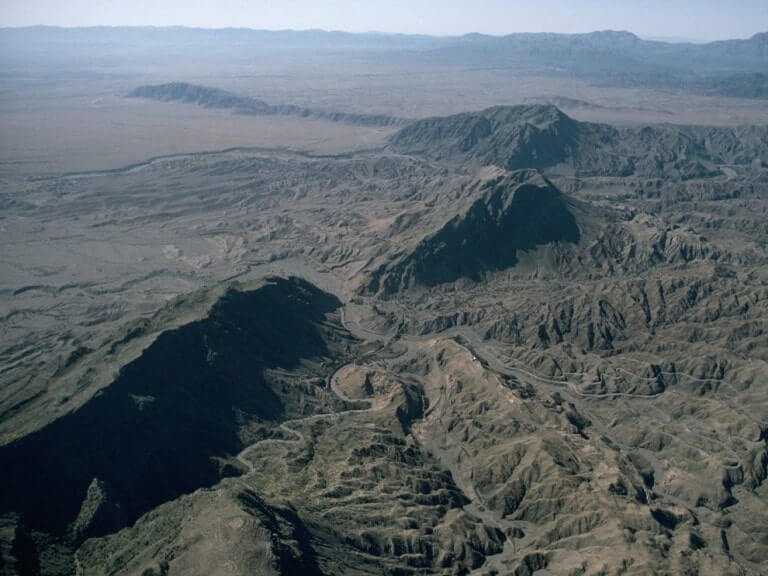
[382,305]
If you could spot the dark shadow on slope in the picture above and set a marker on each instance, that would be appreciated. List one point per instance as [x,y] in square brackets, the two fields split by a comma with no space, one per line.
[285,526]
[487,237]
[153,434]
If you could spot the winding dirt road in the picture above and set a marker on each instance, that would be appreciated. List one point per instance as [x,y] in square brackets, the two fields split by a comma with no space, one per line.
[299,438]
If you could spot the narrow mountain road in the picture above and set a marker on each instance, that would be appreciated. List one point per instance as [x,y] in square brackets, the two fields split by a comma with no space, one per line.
[299,438]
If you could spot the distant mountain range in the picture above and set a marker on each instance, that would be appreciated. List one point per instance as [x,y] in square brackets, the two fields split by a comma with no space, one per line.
[729,67]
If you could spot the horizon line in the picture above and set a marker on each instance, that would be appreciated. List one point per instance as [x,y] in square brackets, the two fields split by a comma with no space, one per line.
[647,38]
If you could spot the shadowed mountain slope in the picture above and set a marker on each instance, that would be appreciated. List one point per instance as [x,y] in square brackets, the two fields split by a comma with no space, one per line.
[172,418]
[513,212]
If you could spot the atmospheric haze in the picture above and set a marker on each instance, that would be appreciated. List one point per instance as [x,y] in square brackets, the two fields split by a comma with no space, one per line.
[677,19]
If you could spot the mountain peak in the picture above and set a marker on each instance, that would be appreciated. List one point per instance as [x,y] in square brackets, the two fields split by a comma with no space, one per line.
[524,136]
[509,212]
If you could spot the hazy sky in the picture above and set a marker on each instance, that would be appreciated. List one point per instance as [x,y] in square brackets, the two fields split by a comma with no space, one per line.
[695,19]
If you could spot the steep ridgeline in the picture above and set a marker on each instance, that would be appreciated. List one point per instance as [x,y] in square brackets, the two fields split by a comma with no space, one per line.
[511,213]
[217,98]
[543,137]
[174,418]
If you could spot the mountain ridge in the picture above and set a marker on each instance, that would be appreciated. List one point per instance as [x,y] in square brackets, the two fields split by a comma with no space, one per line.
[509,212]
[607,33]
[543,137]
[221,99]
[607,57]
